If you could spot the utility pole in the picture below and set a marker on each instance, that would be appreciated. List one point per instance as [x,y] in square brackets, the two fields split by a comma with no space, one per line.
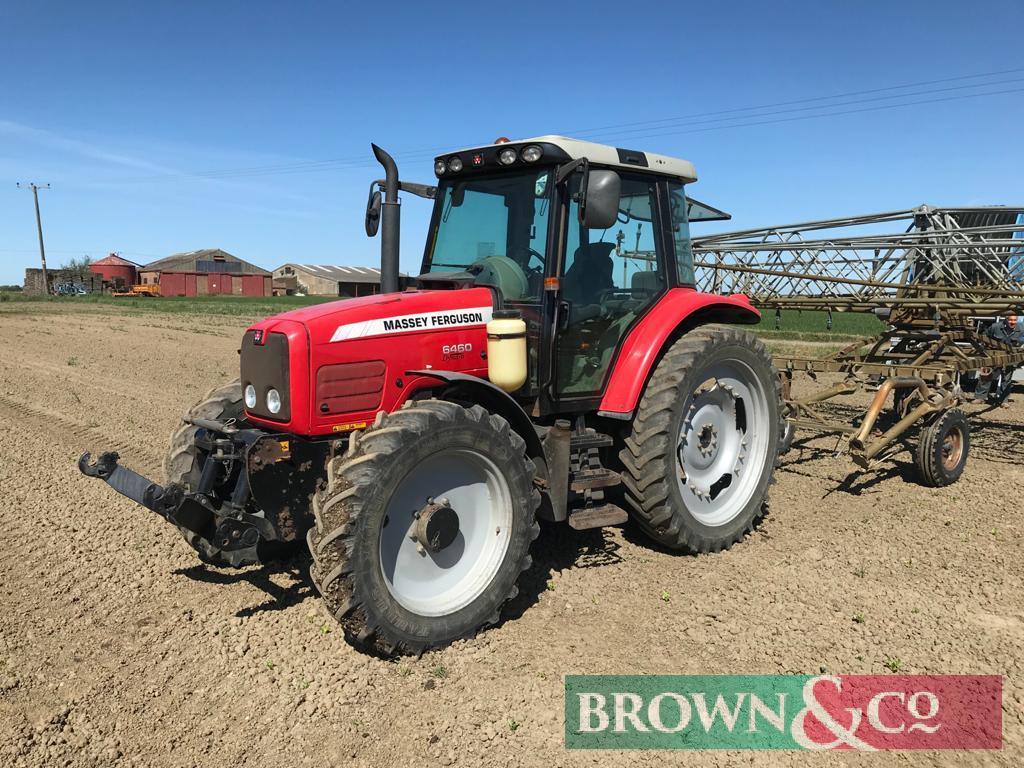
[39,226]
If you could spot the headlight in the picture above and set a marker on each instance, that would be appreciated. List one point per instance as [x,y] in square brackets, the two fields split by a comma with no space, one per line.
[455,164]
[532,153]
[250,397]
[273,401]
[507,156]
[440,167]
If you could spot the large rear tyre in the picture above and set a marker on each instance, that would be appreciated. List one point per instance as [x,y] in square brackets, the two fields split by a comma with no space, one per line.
[424,527]
[705,441]
[942,449]
[221,403]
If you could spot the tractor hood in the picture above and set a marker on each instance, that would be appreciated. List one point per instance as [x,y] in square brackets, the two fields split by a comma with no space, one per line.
[386,315]
[331,367]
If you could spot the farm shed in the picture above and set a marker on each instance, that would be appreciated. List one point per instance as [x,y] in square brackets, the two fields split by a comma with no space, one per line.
[206,272]
[328,280]
[116,271]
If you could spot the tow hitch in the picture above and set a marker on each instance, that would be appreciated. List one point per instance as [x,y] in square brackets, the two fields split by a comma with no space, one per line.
[218,516]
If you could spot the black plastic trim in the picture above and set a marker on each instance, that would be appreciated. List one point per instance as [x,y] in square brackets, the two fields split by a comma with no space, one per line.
[264,366]
[632,157]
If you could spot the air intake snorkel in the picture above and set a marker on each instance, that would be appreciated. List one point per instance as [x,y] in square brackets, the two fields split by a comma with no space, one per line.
[390,216]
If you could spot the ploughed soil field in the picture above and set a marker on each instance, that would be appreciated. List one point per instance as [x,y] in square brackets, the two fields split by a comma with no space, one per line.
[118,647]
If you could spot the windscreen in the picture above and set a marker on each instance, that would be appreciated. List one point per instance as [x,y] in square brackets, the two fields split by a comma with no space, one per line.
[495,227]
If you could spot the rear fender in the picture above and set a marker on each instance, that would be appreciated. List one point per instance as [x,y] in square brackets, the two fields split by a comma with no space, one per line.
[678,311]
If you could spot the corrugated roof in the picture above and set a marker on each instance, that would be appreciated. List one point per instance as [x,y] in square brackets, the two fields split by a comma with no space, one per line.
[113,260]
[333,272]
[187,262]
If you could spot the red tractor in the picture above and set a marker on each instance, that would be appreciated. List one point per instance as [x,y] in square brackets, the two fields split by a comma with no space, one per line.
[553,347]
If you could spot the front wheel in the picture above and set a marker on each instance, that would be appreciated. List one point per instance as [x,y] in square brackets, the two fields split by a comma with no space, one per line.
[424,527]
[705,441]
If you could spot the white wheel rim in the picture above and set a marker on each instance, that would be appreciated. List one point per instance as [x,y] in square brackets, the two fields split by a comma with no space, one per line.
[440,583]
[722,443]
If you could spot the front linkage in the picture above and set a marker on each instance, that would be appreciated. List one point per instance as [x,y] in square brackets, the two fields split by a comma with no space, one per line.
[252,487]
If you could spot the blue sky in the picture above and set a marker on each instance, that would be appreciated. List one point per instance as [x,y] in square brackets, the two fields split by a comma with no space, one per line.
[166,127]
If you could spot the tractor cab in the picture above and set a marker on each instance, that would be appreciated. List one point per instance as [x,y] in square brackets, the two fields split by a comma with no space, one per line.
[581,238]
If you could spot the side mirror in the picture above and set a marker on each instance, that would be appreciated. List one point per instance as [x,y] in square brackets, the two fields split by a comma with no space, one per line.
[599,199]
[372,221]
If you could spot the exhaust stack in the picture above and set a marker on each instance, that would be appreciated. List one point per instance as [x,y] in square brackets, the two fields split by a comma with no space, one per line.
[391,217]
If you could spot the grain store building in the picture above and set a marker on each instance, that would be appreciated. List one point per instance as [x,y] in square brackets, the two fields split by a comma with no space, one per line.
[328,280]
[207,272]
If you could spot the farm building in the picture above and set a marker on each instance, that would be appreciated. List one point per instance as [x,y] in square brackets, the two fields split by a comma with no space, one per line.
[328,280]
[209,271]
[117,272]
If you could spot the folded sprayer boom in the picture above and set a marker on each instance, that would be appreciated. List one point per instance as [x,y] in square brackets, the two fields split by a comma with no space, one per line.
[948,288]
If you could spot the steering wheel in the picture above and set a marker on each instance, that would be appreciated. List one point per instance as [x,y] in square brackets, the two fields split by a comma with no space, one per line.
[531,272]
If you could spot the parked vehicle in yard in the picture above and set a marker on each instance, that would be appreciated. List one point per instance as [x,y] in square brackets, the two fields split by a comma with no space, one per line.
[144,290]
[69,289]
[554,347]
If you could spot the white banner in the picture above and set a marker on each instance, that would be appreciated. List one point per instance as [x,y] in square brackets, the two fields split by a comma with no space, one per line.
[423,321]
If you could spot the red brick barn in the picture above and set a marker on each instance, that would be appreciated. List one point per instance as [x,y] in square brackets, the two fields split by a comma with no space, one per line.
[205,273]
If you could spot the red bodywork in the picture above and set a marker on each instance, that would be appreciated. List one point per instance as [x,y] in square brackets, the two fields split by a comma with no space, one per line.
[379,382]
[643,344]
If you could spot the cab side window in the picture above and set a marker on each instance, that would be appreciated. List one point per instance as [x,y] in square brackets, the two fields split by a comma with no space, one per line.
[610,278]
[681,233]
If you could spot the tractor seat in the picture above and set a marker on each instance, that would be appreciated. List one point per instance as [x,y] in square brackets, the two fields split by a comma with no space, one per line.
[590,274]
[645,284]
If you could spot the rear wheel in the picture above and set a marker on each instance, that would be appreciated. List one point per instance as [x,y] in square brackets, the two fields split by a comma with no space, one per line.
[942,449]
[424,527]
[705,441]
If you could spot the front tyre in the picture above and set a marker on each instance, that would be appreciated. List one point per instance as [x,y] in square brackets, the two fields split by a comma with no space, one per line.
[424,527]
[181,463]
[704,441]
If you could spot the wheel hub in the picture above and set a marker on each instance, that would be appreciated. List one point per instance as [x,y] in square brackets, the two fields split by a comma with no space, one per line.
[446,529]
[437,525]
[952,448]
[707,440]
[726,419]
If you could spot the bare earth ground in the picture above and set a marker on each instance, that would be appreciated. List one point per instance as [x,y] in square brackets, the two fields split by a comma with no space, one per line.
[118,648]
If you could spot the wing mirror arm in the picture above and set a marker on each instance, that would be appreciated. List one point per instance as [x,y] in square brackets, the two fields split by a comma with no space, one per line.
[373,200]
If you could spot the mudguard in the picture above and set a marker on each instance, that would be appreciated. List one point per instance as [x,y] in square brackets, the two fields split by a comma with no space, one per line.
[497,401]
[679,310]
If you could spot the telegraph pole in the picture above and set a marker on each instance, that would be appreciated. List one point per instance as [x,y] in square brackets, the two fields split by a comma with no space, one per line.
[39,226]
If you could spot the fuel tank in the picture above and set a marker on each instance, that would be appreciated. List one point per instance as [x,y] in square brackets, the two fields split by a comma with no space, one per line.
[331,367]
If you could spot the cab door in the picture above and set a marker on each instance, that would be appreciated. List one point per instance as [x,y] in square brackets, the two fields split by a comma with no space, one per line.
[608,280]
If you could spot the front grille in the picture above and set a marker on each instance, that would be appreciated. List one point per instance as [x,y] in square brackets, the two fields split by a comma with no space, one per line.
[265,366]
[349,387]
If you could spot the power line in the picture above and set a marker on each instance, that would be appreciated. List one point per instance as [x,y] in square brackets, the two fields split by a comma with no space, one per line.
[622,129]
[813,98]
[834,114]
[686,123]
[726,123]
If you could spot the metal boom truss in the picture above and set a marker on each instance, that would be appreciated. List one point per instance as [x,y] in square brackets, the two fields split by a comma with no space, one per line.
[938,284]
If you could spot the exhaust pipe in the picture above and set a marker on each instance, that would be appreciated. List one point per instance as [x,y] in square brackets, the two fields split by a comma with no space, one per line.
[391,219]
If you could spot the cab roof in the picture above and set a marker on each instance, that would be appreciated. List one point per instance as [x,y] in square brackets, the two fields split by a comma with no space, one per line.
[601,154]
